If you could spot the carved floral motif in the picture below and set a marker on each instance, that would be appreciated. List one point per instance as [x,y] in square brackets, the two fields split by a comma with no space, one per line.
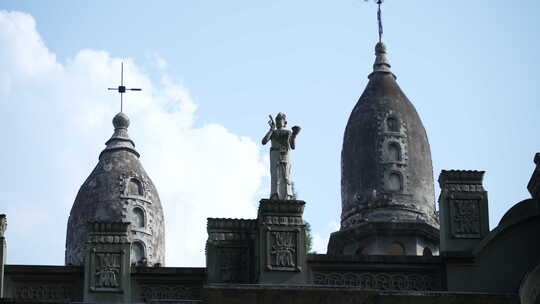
[44,292]
[162,292]
[379,281]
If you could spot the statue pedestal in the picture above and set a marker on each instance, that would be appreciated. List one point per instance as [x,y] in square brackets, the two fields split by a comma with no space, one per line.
[281,242]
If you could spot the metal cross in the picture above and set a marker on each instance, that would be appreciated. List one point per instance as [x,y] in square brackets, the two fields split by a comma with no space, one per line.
[122,89]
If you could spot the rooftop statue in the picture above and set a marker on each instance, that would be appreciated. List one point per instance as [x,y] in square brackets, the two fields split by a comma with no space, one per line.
[280,163]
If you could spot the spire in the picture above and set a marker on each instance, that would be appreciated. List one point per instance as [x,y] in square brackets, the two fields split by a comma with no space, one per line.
[120,139]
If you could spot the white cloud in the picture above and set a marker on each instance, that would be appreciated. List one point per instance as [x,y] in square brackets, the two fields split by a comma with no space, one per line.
[56,118]
[321,237]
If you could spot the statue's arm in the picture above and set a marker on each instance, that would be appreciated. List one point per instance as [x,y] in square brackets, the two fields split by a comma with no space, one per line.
[267,137]
[292,138]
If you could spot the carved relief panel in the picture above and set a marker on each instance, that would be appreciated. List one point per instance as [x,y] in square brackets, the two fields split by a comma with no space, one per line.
[465,218]
[106,274]
[282,250]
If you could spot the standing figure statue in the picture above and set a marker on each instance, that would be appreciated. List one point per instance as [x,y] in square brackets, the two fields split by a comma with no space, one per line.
[280,164]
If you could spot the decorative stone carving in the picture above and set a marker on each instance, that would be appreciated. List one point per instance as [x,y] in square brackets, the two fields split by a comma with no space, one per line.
[132,184]
[283,247]
[378,281]
[107,270]
[44,292]
[107,267]
[164,292]
[465,218]
[283,141]
[463,209]
[281,241]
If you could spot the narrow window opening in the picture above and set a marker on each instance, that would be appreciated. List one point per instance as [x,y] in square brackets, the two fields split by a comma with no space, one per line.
[395,182]
[394,152]
[392,124]
[137,252]
[138,218]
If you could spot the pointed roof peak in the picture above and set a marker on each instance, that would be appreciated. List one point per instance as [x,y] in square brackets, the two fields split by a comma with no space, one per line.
[382,64]
[120,139]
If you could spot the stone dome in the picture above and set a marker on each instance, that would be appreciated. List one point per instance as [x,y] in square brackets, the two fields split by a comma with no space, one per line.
[386,169]
[118,189]
[386,159]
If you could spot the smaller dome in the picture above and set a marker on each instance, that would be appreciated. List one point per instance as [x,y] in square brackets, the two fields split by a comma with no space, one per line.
[121,121]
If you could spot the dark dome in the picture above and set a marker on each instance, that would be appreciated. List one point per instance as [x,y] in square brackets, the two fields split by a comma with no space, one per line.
[386,170]
[118,189]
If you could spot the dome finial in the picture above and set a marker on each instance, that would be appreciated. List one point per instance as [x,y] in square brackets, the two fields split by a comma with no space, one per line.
[382,64]
[120,121]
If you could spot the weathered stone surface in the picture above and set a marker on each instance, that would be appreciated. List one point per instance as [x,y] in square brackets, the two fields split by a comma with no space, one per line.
[230,250]
[529,291]
[107,274]
[30,284]
[263,294]
[385,136]
[118,189]
[283,141]
[386,170]
[463,210]
[281,247]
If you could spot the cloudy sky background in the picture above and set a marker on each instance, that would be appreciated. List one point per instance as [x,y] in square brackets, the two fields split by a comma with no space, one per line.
[212,72]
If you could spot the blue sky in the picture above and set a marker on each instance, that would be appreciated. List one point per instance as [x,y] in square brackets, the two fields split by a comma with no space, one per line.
[469,67]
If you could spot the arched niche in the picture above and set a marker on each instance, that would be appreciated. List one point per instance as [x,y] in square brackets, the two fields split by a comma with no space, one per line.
[137,252]
[135,187]
[393,151]
[395,182]
[427,252]
[139,218]
[392,124]
[396,248]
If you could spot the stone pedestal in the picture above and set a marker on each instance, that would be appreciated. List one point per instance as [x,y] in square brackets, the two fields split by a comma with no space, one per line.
[3,253]
[281,242]
[463,207]
[107,263]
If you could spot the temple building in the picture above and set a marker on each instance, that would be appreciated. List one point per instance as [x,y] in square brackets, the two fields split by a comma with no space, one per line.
[392,246]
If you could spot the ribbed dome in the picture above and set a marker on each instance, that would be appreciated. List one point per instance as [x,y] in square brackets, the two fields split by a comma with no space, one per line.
[386,167]
[118,189]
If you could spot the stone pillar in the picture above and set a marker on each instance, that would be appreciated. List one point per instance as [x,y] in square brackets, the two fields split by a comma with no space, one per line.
[281,242]
[230,256]
[3,251]
[107,263]
[463,205]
